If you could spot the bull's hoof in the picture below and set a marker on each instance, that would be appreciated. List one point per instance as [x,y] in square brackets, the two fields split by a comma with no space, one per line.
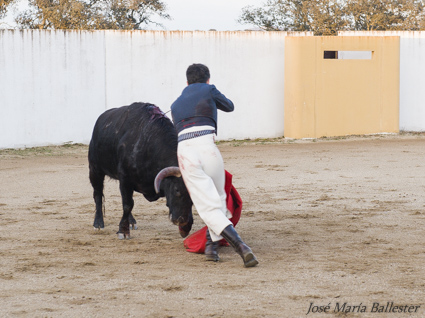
[98,224]
[97,228]
[133,226]
[123,236]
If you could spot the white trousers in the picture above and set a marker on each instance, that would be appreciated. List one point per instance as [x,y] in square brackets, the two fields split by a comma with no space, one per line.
[202,169]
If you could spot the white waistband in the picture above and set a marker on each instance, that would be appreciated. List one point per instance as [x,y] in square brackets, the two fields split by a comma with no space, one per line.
[196,128]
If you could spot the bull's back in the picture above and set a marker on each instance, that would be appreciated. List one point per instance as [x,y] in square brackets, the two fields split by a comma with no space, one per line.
[121,132]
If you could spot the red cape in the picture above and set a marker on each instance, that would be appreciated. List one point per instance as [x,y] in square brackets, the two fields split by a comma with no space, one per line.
[195,243]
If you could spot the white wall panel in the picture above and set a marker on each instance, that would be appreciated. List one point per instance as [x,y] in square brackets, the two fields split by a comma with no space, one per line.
[51,86]
[151,66]
[412,70]
[54,84]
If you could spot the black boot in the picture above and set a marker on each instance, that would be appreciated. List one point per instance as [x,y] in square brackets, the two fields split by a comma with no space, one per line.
[211,247]
[231,236]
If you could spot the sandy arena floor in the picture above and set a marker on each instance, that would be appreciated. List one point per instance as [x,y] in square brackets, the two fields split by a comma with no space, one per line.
[332,222]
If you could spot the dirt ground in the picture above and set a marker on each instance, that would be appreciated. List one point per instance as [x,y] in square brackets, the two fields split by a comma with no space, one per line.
[336,222]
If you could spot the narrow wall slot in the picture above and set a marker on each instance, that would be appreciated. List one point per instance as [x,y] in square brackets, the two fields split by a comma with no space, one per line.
[348,55]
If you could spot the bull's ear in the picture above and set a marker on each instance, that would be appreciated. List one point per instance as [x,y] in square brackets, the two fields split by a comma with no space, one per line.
[164,173]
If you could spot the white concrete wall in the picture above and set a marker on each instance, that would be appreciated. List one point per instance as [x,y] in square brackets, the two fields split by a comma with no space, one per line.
[412,70]
[242,64]
[54,84]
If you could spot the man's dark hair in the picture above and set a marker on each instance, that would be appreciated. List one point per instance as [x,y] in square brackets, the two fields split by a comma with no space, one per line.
[197,73]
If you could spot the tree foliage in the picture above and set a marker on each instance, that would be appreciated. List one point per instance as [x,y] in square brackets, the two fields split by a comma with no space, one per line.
[91,14]
[386,14]
[325,17]
[3,7]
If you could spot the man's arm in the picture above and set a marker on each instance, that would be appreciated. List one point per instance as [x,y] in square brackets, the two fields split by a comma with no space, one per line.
[223,103]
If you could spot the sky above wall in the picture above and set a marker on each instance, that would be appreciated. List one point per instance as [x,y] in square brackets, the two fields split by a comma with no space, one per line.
[204,15]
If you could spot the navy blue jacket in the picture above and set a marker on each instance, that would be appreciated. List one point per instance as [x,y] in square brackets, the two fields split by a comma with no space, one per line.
[197,106]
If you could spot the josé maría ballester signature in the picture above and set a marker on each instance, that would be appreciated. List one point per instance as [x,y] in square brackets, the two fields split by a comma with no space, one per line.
[376,307]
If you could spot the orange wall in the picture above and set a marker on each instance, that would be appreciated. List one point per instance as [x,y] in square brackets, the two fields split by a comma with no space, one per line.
[337,97]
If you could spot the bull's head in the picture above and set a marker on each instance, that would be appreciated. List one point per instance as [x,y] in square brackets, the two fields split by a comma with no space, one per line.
[169,181]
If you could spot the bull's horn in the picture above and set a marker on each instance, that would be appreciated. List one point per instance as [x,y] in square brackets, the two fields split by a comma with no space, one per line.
[164,173]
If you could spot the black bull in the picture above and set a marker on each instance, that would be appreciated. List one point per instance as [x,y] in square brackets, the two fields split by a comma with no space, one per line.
[137,145]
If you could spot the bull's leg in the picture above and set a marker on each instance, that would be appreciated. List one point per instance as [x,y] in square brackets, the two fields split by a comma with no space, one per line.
[127,205]
[96,181]
[132,221]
